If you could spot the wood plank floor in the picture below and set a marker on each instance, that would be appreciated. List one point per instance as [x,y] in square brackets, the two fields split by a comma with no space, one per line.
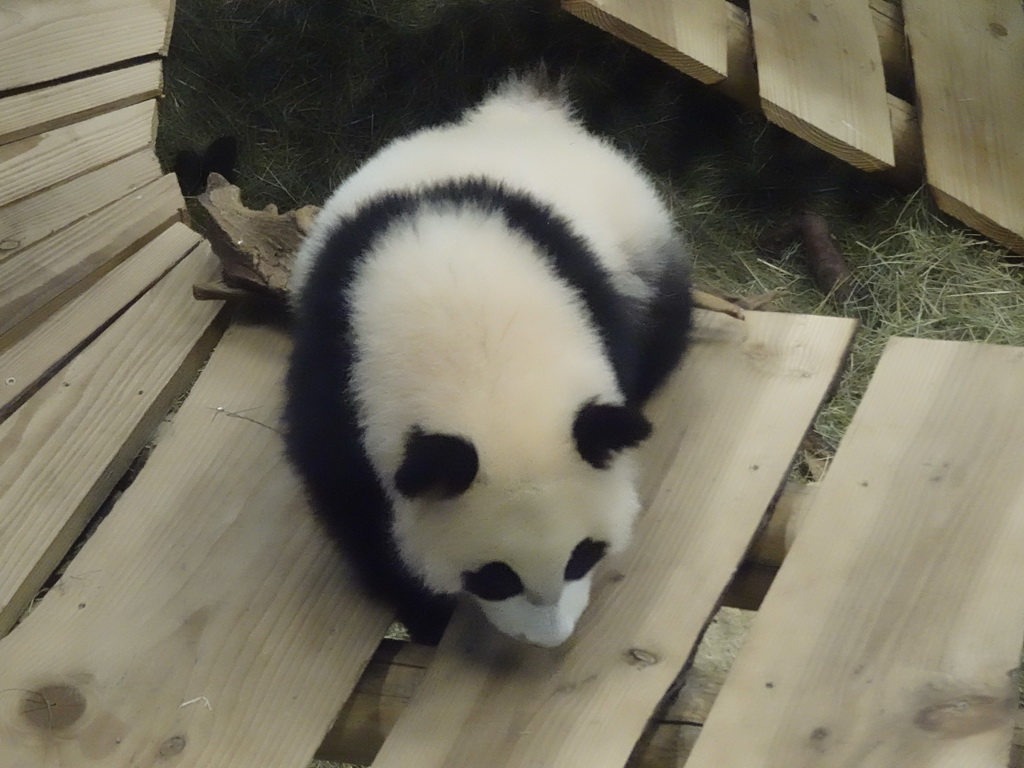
[892,634]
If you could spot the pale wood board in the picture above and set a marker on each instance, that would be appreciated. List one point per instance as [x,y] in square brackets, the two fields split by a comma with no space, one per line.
[44,40]
[893,631]
[65,447]
[207,620]
[690,36]
[50,344]
[38,162]
[968,60]
[33,278]
[32,218]
[728,424]
[32,112]
[820,74]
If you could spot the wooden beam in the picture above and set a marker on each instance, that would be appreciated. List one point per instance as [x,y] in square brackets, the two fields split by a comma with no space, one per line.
[742,86]
[38,162]
[747,390]
[43,41]
[48,346]
[969,60]
[31,280]
[889,632]
[207,621]
[32,218]
[62,452]
[688,36]
[820,76]
[32,112]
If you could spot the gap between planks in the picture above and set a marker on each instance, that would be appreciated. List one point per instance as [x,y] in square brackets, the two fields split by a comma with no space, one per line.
[728,425]
[32,112]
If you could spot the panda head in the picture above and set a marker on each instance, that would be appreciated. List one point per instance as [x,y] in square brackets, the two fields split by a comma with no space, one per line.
[523,545]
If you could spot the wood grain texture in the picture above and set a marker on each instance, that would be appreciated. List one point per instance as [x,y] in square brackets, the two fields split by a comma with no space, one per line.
[689,36]
[44,40]
[38,162]
[969,59]
[62,451]
[32,218]
[727,426]
[49,345]
[26,114]
[742,85]
[33,278]
[892,633]
[207,622]
[820,75]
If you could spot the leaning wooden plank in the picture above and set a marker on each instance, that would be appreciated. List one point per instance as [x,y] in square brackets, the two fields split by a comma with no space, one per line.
[892,633]
[33,218]
[968,60]
[820,74]
[34,277]
[207,622]
[44,40]
[38,162]
[727,426]
[32,112]
[49,345]
[689,36]
[63,450]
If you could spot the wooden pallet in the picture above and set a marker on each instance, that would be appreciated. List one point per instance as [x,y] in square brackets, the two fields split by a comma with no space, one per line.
[938,94]
[165,598]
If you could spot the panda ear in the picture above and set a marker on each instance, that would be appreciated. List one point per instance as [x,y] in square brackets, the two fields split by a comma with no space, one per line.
[438,465]
[601,430]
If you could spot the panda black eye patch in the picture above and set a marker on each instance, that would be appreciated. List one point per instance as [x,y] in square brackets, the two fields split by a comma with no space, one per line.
[494,581]
[584,557]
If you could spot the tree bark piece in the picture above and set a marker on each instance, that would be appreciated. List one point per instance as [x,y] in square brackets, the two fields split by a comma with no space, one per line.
[255,248]
[829,269]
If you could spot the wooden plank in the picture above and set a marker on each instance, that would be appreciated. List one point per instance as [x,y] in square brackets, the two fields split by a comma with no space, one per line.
[968,59]
[63,450]
[26,114]
[33,278]
[44,40]
[738,408]
[689,36]
[38,162]
[33,218]
[820,73]
[207,620]
[892,633]
[742,85]
[48,346]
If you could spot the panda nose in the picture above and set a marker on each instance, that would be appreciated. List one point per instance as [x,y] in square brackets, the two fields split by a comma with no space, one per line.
[539,600]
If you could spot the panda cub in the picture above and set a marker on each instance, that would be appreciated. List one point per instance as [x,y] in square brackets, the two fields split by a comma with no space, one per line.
[480,311]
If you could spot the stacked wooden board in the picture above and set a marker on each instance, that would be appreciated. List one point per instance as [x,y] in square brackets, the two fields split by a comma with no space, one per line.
[183,610]
[840,74]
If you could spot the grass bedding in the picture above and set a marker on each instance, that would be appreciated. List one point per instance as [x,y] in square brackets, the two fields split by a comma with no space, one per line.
[309,88]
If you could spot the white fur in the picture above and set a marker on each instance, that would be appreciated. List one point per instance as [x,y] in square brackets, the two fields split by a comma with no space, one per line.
[531,144]
[460,328]
[546,625]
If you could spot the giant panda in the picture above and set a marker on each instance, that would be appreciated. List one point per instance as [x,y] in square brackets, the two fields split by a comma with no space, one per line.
[479,313]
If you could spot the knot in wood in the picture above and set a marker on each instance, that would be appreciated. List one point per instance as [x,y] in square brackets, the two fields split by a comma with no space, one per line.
[172,746]
[640,658]
[53,707]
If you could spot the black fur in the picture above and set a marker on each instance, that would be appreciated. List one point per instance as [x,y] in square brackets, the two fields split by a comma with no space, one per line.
[322,431]
[436,465]
[601,430]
